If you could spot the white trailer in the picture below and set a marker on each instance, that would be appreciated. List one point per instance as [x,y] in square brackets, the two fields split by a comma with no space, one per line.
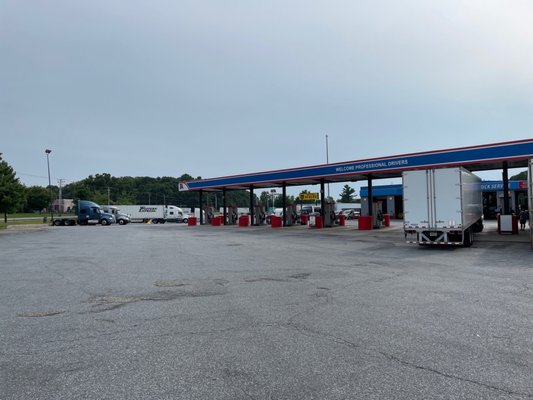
[442,206]
[530,197]
[144,213]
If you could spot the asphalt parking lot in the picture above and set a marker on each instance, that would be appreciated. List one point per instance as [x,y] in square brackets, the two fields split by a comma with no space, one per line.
[176,312]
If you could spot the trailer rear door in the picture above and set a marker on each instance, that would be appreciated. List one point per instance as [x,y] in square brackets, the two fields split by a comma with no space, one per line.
[446,188]
[415,199]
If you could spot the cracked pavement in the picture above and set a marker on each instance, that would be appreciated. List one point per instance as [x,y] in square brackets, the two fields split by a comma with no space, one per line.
[172,312]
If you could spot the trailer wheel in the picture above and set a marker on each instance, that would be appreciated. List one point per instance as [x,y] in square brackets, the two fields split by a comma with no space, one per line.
[469,238]
[104,222]
[57,222]
[71,222]
[155,221]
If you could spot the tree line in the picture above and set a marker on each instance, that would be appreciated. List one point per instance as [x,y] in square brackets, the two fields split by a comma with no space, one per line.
[106,189]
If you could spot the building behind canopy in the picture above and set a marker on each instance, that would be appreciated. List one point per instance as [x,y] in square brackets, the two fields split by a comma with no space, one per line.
[389,198]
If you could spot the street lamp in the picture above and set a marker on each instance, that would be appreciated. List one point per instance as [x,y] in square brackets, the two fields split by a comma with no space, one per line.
[327,156]
[47,151]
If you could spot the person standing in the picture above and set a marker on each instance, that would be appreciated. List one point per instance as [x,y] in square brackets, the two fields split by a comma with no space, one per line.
[523,216]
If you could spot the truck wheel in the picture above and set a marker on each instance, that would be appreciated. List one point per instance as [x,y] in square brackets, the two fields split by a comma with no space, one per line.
[185,220]
[57,222]
[478,226]
[155,221]
[121,222]
[104,222]
[469,238]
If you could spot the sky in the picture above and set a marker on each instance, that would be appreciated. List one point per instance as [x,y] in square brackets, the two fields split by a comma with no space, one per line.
[215,88]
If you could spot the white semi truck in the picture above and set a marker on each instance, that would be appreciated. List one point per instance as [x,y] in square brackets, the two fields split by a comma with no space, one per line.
[442,206]
[120,217]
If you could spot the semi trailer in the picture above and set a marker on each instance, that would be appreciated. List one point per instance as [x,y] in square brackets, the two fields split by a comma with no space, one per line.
[157,214]
[442,206]
[87,212]
[144,213]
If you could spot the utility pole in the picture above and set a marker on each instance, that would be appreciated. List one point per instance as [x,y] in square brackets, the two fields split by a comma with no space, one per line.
[327,157]
[108,202]
[48,151]
[61,208]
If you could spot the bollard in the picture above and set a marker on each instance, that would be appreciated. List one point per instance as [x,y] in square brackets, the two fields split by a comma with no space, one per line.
[244,221]
[365,223]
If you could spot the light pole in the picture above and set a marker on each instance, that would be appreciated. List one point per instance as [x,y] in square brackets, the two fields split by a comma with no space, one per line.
[48,151]
[327,156]
[273,192]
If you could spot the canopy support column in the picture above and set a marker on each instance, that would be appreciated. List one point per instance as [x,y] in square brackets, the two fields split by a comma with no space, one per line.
[201,207]
[224,205]
[252,211]
[322,200]
[505,176]
[284,203]
[370,199]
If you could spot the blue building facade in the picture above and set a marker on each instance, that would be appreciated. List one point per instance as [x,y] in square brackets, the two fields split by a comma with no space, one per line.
[390,198]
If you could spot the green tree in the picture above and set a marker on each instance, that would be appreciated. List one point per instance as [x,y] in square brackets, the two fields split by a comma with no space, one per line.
[11,190]
[522,176]
[77,191]
[347,195]
[144,190]
[37,198]
[124,199]
[241,198]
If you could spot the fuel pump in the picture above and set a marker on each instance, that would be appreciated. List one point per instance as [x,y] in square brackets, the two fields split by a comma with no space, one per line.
[329,215]
[208,214]
[232,215]
[290,215]
[259,215]
[377,215]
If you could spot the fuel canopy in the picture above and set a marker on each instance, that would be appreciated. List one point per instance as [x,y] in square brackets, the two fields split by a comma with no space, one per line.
[514,154]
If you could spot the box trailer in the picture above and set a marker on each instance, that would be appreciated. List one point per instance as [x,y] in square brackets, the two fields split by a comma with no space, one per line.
[530,197]
[157,214]
[442,206]
[144,213]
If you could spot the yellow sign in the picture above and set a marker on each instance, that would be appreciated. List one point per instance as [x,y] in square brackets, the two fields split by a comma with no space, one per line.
[308,196]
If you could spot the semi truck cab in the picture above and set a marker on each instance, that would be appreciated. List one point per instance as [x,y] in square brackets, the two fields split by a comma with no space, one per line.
[120,218]
[89,212]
